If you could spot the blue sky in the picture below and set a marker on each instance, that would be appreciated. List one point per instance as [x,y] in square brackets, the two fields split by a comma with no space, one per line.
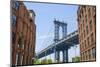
[45,14]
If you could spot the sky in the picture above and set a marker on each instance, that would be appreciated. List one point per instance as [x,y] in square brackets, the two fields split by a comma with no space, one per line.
[45,15]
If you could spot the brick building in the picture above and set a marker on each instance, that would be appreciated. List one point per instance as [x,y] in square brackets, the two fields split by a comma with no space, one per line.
[86,17]
[23,36]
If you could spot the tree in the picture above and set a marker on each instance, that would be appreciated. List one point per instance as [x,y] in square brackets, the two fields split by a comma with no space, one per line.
[76,59]
[37,61]
[46,61]
[49,61]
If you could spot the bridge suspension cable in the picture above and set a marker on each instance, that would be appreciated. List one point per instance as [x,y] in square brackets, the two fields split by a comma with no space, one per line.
[48,39]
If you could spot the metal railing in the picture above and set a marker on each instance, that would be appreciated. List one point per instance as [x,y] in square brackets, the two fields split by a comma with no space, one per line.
[68,36]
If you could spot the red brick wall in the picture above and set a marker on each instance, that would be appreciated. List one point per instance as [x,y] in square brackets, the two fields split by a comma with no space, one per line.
[85,15]
[28,30]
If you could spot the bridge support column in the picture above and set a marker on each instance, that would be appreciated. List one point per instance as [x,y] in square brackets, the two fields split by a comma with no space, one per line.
[57,57]
[45,54]
[65,56]
[64,30]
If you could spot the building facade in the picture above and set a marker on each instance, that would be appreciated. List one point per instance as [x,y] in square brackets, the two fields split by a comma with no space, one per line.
[86,17]
[23,34]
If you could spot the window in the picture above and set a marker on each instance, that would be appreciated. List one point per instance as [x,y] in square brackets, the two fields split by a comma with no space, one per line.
[89,12]
[16,5]
[93,52]
[94,8]
[27,59]
[19,59]
[84,33]
[83,22]
[13,4]
[13,37]
[88,41]
[91,25]
[23,62]
[16,58]
[21,42]
[30,50]
[87,29]
[83,56]
[86,19]
[85,43]
[89,54]
[81,27]
[13,20]
[82,13]
[85,8]
[94,20]
[79,30]
[30,20]
[86,55]
[81,36]
[92,39]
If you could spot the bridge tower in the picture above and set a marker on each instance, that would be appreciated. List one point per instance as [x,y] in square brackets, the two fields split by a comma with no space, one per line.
[57,24]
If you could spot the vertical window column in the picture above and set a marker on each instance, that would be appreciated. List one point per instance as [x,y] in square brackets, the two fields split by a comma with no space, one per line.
[16,59]
[90,25]
[13,20]
[92,39]
[93,52]
[87,29]
[16,5]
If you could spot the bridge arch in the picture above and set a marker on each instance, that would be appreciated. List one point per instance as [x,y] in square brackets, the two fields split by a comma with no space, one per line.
[57,25]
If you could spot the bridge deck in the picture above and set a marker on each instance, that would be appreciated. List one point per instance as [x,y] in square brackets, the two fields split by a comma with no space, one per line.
[70,40]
